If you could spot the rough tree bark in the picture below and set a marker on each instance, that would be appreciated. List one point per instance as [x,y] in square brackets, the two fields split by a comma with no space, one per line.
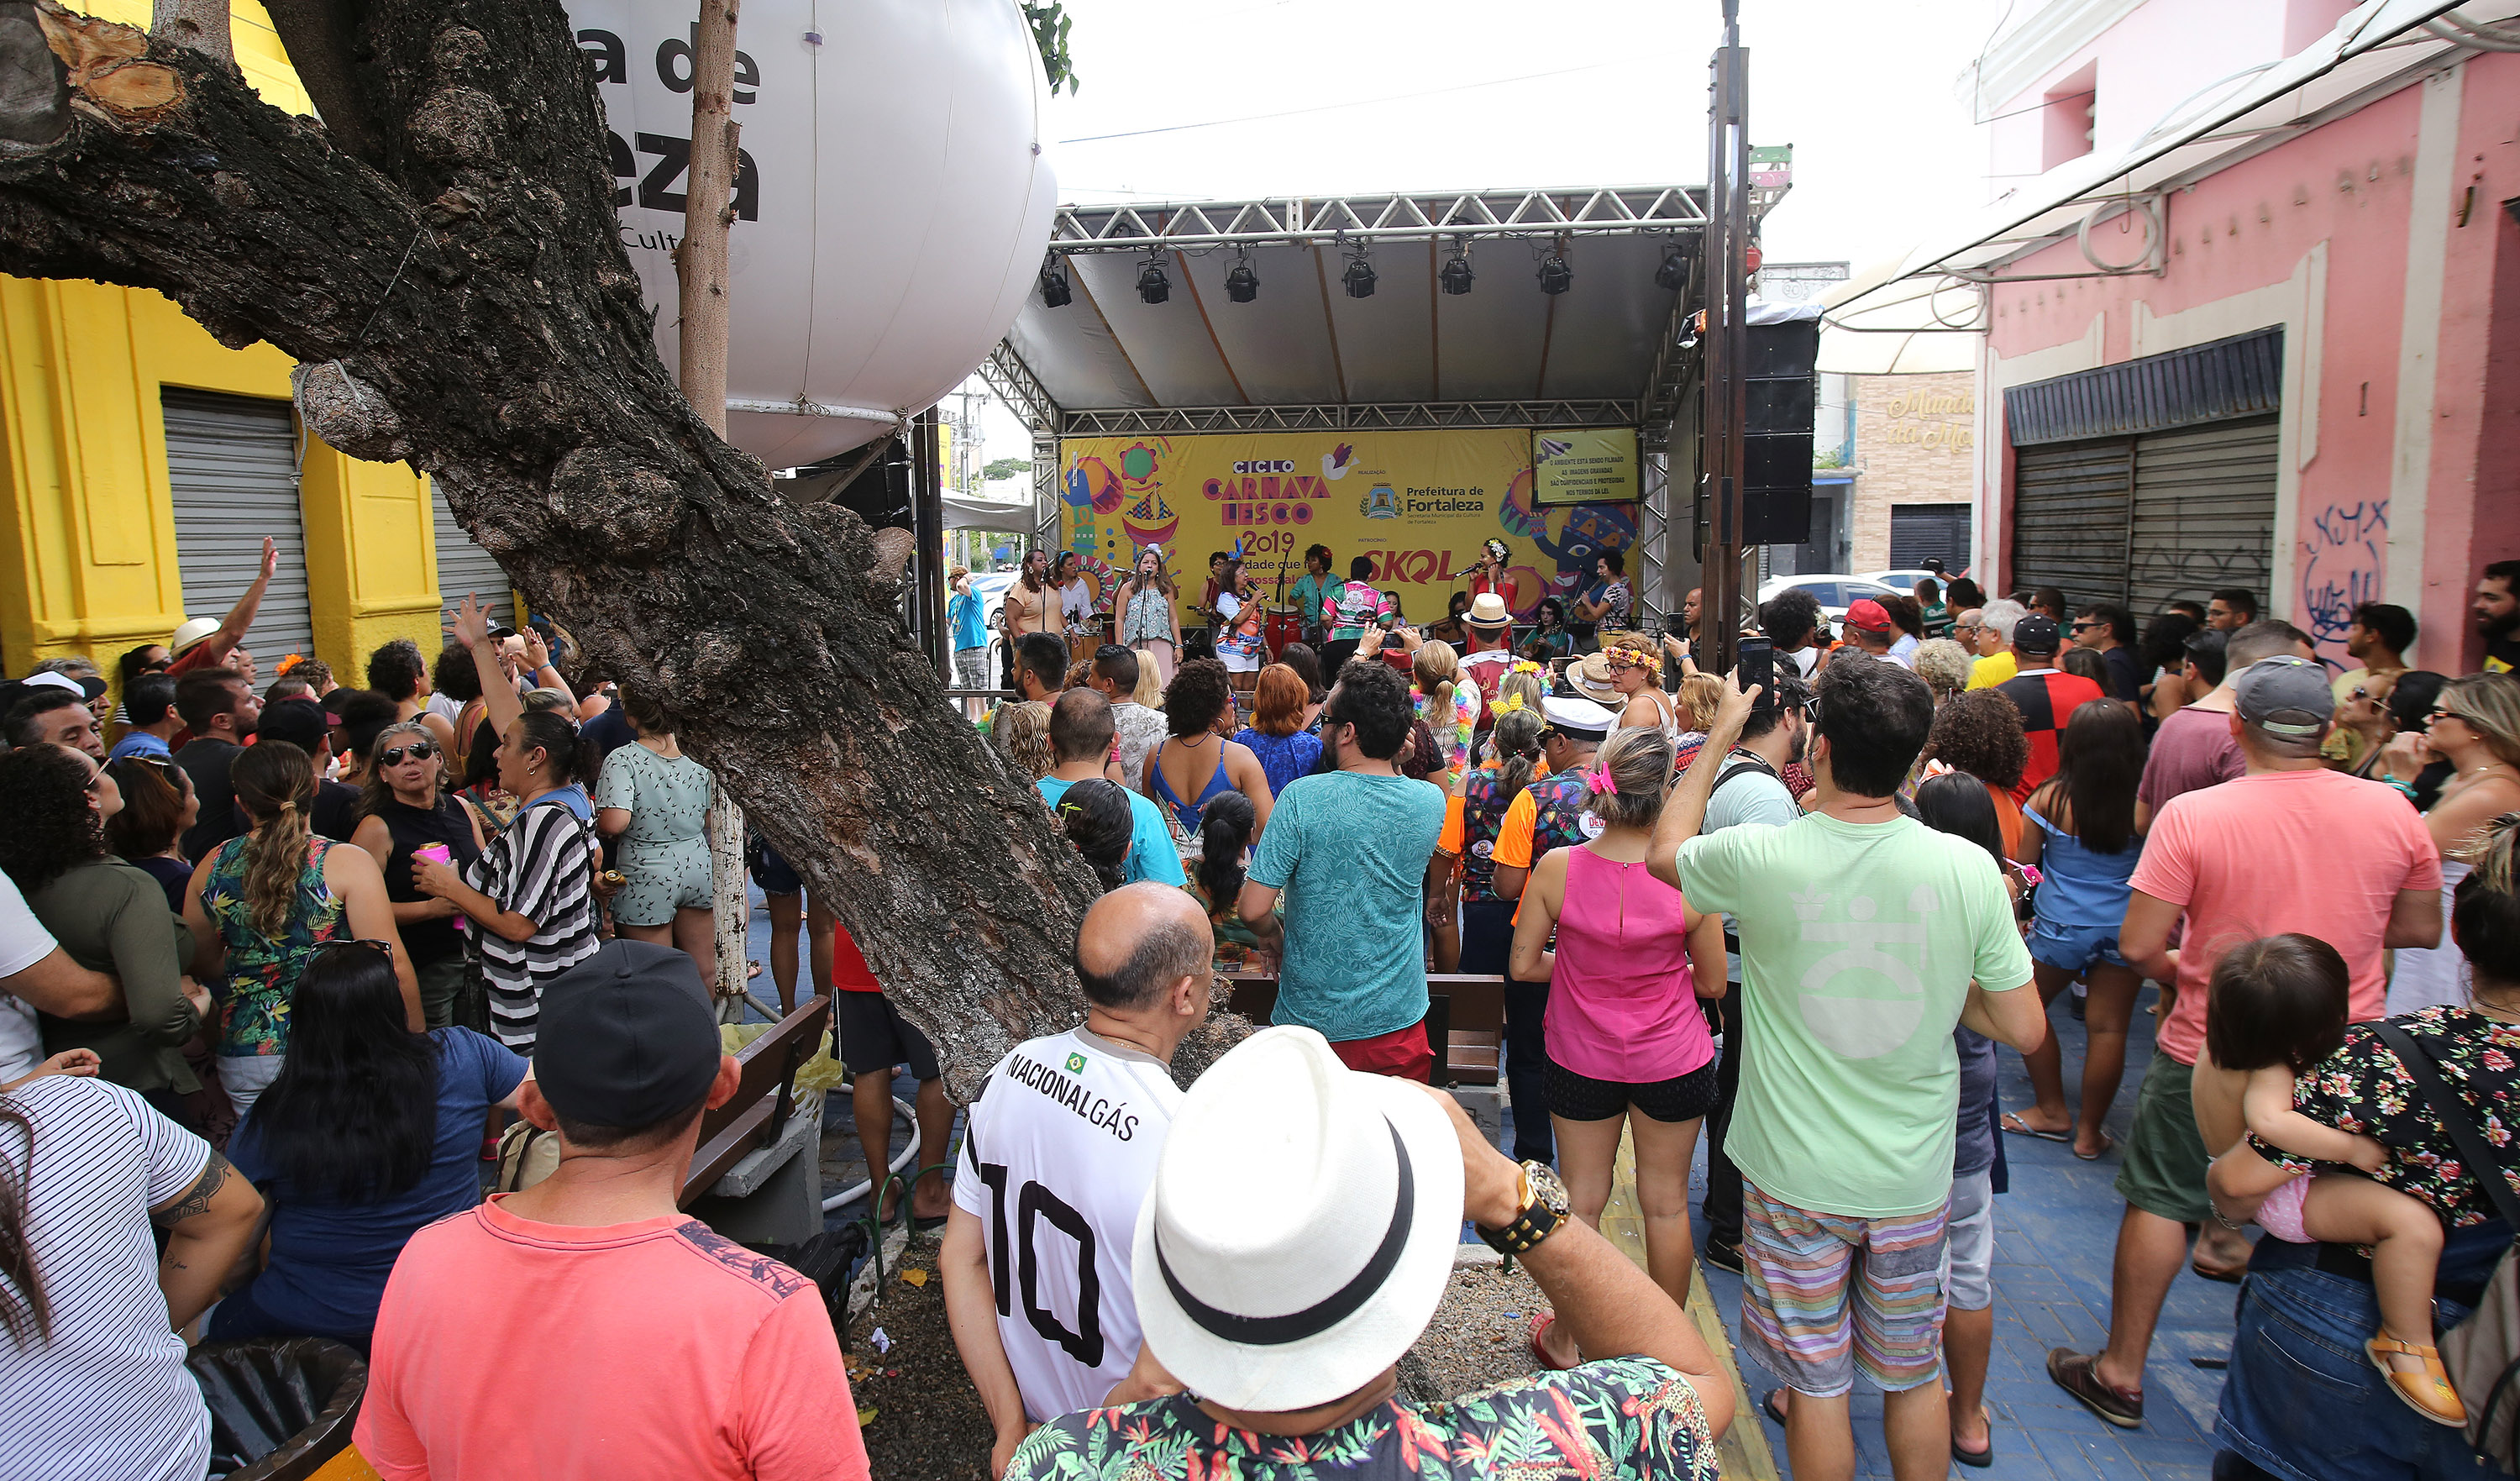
[449,270]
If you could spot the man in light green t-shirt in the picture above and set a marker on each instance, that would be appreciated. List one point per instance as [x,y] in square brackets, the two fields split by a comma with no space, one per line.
[1866,936]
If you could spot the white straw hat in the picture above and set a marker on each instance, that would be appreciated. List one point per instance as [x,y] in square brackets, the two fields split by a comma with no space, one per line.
[1488,610]
[1301,1227]
[192,632]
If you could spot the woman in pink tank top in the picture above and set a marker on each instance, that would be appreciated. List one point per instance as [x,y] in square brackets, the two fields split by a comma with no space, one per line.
[1628,1045]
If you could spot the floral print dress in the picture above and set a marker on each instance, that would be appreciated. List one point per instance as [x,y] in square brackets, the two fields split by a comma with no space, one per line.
[262,971]
[1631,1416]
[2363,1088]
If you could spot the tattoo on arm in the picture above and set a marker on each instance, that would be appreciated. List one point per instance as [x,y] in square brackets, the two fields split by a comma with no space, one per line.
[196,1198]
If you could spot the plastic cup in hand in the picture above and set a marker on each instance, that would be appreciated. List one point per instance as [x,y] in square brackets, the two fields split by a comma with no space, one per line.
[439,853]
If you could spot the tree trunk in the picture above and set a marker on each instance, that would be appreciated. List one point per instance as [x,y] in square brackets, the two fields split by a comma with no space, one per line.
[201,24]
[458,290]
[700,272]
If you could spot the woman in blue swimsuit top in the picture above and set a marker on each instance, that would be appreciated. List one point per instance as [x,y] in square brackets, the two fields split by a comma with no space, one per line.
[1197,765]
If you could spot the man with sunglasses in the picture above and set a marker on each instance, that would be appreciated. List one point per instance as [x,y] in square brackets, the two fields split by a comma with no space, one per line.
[1060,1149]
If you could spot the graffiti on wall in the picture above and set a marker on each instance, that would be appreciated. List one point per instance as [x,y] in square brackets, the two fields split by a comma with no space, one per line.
[2340,568]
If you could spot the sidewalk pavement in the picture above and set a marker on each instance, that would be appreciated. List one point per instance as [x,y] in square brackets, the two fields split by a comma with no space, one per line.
[2056,1234]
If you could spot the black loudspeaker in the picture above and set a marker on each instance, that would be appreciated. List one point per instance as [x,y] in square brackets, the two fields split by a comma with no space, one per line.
[1783,395]
[879,495]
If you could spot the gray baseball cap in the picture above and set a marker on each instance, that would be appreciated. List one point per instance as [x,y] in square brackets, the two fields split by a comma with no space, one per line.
[2285,696]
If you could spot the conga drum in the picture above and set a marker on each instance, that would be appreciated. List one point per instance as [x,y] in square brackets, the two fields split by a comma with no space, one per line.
[1082,642]
[1286,626]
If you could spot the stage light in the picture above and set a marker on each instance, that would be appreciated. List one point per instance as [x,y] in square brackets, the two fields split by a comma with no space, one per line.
[1455,276]
[1054,290]
[1555,277]
[1358,276]
[1242,284]
[1152,285]
[1674,272]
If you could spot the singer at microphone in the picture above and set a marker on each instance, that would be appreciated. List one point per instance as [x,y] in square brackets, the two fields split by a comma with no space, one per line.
[1488,573]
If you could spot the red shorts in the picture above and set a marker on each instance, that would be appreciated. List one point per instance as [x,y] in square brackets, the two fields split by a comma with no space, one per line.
[1402,1053]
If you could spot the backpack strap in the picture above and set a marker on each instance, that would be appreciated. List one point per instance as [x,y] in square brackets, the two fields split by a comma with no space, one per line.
[2457,1118]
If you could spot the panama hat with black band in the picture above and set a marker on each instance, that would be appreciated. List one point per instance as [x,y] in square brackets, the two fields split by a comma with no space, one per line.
[1302,1228]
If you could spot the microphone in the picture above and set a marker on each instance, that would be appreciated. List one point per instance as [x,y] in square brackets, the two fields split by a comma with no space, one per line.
[1465,571]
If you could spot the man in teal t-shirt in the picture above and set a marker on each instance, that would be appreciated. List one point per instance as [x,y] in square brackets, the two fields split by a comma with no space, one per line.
[1866,936]
[1081,734]
[1350,849]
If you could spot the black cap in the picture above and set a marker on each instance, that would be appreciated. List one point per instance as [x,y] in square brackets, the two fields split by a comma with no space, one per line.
[2035,634]
[627,1037]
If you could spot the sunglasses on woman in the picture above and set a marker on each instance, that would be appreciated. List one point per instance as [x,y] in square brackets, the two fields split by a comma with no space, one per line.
[418,751]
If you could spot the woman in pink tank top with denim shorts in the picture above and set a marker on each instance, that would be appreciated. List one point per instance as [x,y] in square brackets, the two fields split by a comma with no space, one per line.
[1628,1045]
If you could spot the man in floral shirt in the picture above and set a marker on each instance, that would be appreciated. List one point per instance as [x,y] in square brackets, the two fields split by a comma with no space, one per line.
[1288,1181]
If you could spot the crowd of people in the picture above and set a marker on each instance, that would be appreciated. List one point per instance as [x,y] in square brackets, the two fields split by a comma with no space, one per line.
[280,960]
[1803,923]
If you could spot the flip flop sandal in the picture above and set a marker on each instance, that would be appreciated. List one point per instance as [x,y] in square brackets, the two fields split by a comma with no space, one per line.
[2108,1145]
[1541,1322]
[1976,1460]
[1773,1406]
[2224,1276]
[2427,1393]
[2013,1124]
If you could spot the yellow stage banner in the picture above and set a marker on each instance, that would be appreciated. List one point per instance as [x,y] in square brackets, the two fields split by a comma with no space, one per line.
[1584,465]
[1419,503]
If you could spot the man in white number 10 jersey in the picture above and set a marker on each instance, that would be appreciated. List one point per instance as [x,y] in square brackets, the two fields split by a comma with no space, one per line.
[1057,1156]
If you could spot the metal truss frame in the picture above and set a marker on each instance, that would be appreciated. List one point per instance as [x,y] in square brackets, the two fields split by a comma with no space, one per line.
[1644,211]
[1181,420]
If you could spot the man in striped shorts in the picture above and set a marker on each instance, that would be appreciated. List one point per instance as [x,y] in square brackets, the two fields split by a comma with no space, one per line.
[1866,936]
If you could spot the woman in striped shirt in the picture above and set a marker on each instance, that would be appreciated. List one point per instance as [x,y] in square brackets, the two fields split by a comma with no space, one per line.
[531,894]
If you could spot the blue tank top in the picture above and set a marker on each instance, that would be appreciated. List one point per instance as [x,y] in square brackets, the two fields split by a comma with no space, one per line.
[2079,887]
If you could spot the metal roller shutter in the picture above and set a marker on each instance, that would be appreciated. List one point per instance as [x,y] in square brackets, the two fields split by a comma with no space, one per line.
[1921,532]
[2070,517]
[233,462]
[465,567]
[2204,513]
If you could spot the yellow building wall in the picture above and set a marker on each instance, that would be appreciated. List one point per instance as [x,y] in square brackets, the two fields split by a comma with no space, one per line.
[87,525]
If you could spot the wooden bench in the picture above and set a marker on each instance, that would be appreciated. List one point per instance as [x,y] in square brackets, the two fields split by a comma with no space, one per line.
[1464,1020]
[754,1123]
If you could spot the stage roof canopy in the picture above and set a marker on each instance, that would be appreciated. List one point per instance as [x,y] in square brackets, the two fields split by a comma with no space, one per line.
[1305,341]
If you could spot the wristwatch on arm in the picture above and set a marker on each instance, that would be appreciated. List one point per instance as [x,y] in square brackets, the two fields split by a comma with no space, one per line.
[1542,1209]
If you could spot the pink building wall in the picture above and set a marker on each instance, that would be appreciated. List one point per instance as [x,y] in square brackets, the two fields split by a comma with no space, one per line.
[2393,493]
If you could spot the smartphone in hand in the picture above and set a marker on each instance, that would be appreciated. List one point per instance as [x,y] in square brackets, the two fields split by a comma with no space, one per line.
[1759,667]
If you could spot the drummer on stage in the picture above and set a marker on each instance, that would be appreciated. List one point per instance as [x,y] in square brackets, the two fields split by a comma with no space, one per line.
[1312,590]
[1079,594]
[1031,606]
[1149,621]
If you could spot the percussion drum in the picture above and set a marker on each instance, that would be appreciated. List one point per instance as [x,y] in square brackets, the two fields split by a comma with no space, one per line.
[1286,626]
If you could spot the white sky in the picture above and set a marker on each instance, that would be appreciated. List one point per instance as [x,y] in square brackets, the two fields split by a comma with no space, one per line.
[1606,92]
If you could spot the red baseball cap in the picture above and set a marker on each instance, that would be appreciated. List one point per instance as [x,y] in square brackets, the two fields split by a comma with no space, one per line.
[1869,616]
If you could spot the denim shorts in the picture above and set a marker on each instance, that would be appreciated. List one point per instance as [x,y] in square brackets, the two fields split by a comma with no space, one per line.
[2072,948]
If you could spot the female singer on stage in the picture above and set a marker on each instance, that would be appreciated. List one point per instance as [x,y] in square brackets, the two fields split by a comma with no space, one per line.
[1150,622]
[1490,575]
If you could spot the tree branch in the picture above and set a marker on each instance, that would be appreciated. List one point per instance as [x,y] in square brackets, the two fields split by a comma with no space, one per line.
[466,302]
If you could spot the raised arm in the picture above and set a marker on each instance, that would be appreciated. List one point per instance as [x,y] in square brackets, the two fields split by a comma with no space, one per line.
[232,628]
[1684,812]
[469,625]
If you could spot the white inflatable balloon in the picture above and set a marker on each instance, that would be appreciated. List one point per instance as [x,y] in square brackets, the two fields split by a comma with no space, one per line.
[892,213]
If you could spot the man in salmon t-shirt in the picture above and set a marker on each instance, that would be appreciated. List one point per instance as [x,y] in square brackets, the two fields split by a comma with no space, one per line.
[585,1328]
[2288,846]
